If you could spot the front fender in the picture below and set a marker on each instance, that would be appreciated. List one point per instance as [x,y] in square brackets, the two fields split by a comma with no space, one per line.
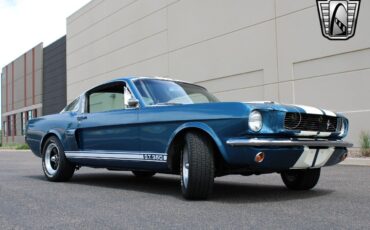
[200,126]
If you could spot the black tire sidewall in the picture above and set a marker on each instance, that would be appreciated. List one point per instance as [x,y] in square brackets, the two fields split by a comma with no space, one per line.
[200,182]
[302,179]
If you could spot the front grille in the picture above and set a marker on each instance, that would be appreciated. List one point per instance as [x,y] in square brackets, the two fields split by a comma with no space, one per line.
[310,122]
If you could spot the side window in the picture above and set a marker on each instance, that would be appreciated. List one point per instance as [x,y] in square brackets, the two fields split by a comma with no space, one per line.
[73,106]
[112,96]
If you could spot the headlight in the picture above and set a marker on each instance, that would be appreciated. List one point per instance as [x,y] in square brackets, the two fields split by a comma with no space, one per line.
[255,121]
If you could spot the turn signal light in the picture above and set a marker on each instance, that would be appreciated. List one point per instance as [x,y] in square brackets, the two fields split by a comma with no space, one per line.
[259,157]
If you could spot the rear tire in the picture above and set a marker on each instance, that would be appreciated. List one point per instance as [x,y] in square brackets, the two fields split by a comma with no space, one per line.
[197,167]
[142,174]
[55,165]
[301,179]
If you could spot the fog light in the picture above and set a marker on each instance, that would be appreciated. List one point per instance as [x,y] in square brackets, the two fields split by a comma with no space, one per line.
[344,157]
[259,157]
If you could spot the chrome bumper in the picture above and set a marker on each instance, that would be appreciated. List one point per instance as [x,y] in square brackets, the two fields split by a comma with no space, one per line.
[267,142]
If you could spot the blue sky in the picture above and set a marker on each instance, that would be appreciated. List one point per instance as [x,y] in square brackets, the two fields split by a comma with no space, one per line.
[26,23]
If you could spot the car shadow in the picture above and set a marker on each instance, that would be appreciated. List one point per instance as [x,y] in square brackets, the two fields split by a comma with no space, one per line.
[223,191]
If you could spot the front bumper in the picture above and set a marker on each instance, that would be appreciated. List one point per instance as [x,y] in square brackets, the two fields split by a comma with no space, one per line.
[268,142]
[285,153]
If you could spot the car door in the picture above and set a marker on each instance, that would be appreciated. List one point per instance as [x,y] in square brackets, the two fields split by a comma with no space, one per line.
[106,125]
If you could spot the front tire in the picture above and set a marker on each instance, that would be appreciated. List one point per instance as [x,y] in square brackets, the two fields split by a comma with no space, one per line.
[301,179]
[55,165]
[197,167]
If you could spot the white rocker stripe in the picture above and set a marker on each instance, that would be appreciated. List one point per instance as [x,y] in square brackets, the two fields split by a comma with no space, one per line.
[124,156]
[307,158]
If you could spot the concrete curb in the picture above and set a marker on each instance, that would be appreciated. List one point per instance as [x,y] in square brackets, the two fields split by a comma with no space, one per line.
[356,161]
[15,150]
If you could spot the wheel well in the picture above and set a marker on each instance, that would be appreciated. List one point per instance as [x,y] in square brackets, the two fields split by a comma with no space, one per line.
[174,152]
[46,137]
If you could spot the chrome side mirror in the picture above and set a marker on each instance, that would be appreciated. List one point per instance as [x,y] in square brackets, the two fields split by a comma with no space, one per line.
[133,103]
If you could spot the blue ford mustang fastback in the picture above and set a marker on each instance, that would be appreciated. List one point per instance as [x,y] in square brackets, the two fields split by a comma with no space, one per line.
[149,125]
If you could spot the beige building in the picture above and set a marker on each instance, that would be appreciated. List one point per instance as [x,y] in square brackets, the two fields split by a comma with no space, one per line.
[240,50]
[21,98]
[32,85]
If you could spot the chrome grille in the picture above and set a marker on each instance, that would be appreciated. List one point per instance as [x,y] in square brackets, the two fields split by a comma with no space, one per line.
[310,122]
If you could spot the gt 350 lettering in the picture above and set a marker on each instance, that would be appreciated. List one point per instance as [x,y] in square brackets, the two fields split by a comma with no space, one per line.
[154,157]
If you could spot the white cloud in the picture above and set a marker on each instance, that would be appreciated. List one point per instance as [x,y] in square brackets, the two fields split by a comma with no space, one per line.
[26,23]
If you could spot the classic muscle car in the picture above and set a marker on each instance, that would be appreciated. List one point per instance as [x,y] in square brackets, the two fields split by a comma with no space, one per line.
[153,125]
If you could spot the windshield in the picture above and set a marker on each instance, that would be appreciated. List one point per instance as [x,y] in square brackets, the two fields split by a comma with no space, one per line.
[157,92]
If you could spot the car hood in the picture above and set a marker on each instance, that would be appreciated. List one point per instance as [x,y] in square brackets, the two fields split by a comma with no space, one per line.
[269,105]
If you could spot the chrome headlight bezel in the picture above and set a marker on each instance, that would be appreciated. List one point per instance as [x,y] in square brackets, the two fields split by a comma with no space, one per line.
[342,131]
[255,121]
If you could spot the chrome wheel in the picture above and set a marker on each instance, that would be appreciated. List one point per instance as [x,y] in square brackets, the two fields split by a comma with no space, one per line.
[185,167]
[52,158]
[55,165]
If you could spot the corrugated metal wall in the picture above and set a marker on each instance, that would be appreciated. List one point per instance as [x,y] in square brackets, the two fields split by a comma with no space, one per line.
[54,85]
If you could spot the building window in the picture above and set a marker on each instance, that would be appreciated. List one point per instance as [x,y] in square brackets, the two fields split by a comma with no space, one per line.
[23,122]
[5,128]
[35,113]
[11,117]
[30,115]
[14,125]
[8,126]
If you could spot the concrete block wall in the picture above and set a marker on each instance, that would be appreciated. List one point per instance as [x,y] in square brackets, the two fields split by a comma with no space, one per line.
[240,50]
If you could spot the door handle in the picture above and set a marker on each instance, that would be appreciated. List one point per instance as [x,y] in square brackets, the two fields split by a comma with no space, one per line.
[80,118]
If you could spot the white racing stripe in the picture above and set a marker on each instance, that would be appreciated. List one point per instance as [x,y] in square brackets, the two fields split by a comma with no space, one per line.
[323,157]
[262,102]
[313,110]
[127,156]
[329,113]
[310,110]
[306,159]
[324,134]
[308,156]
[306,133]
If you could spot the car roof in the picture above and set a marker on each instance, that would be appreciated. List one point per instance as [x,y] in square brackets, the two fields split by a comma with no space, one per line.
[133,78]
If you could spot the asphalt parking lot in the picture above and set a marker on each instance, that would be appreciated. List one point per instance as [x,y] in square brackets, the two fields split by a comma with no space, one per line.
[100,199]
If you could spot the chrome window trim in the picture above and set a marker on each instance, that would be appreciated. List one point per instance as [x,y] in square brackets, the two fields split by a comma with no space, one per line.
[83,100]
